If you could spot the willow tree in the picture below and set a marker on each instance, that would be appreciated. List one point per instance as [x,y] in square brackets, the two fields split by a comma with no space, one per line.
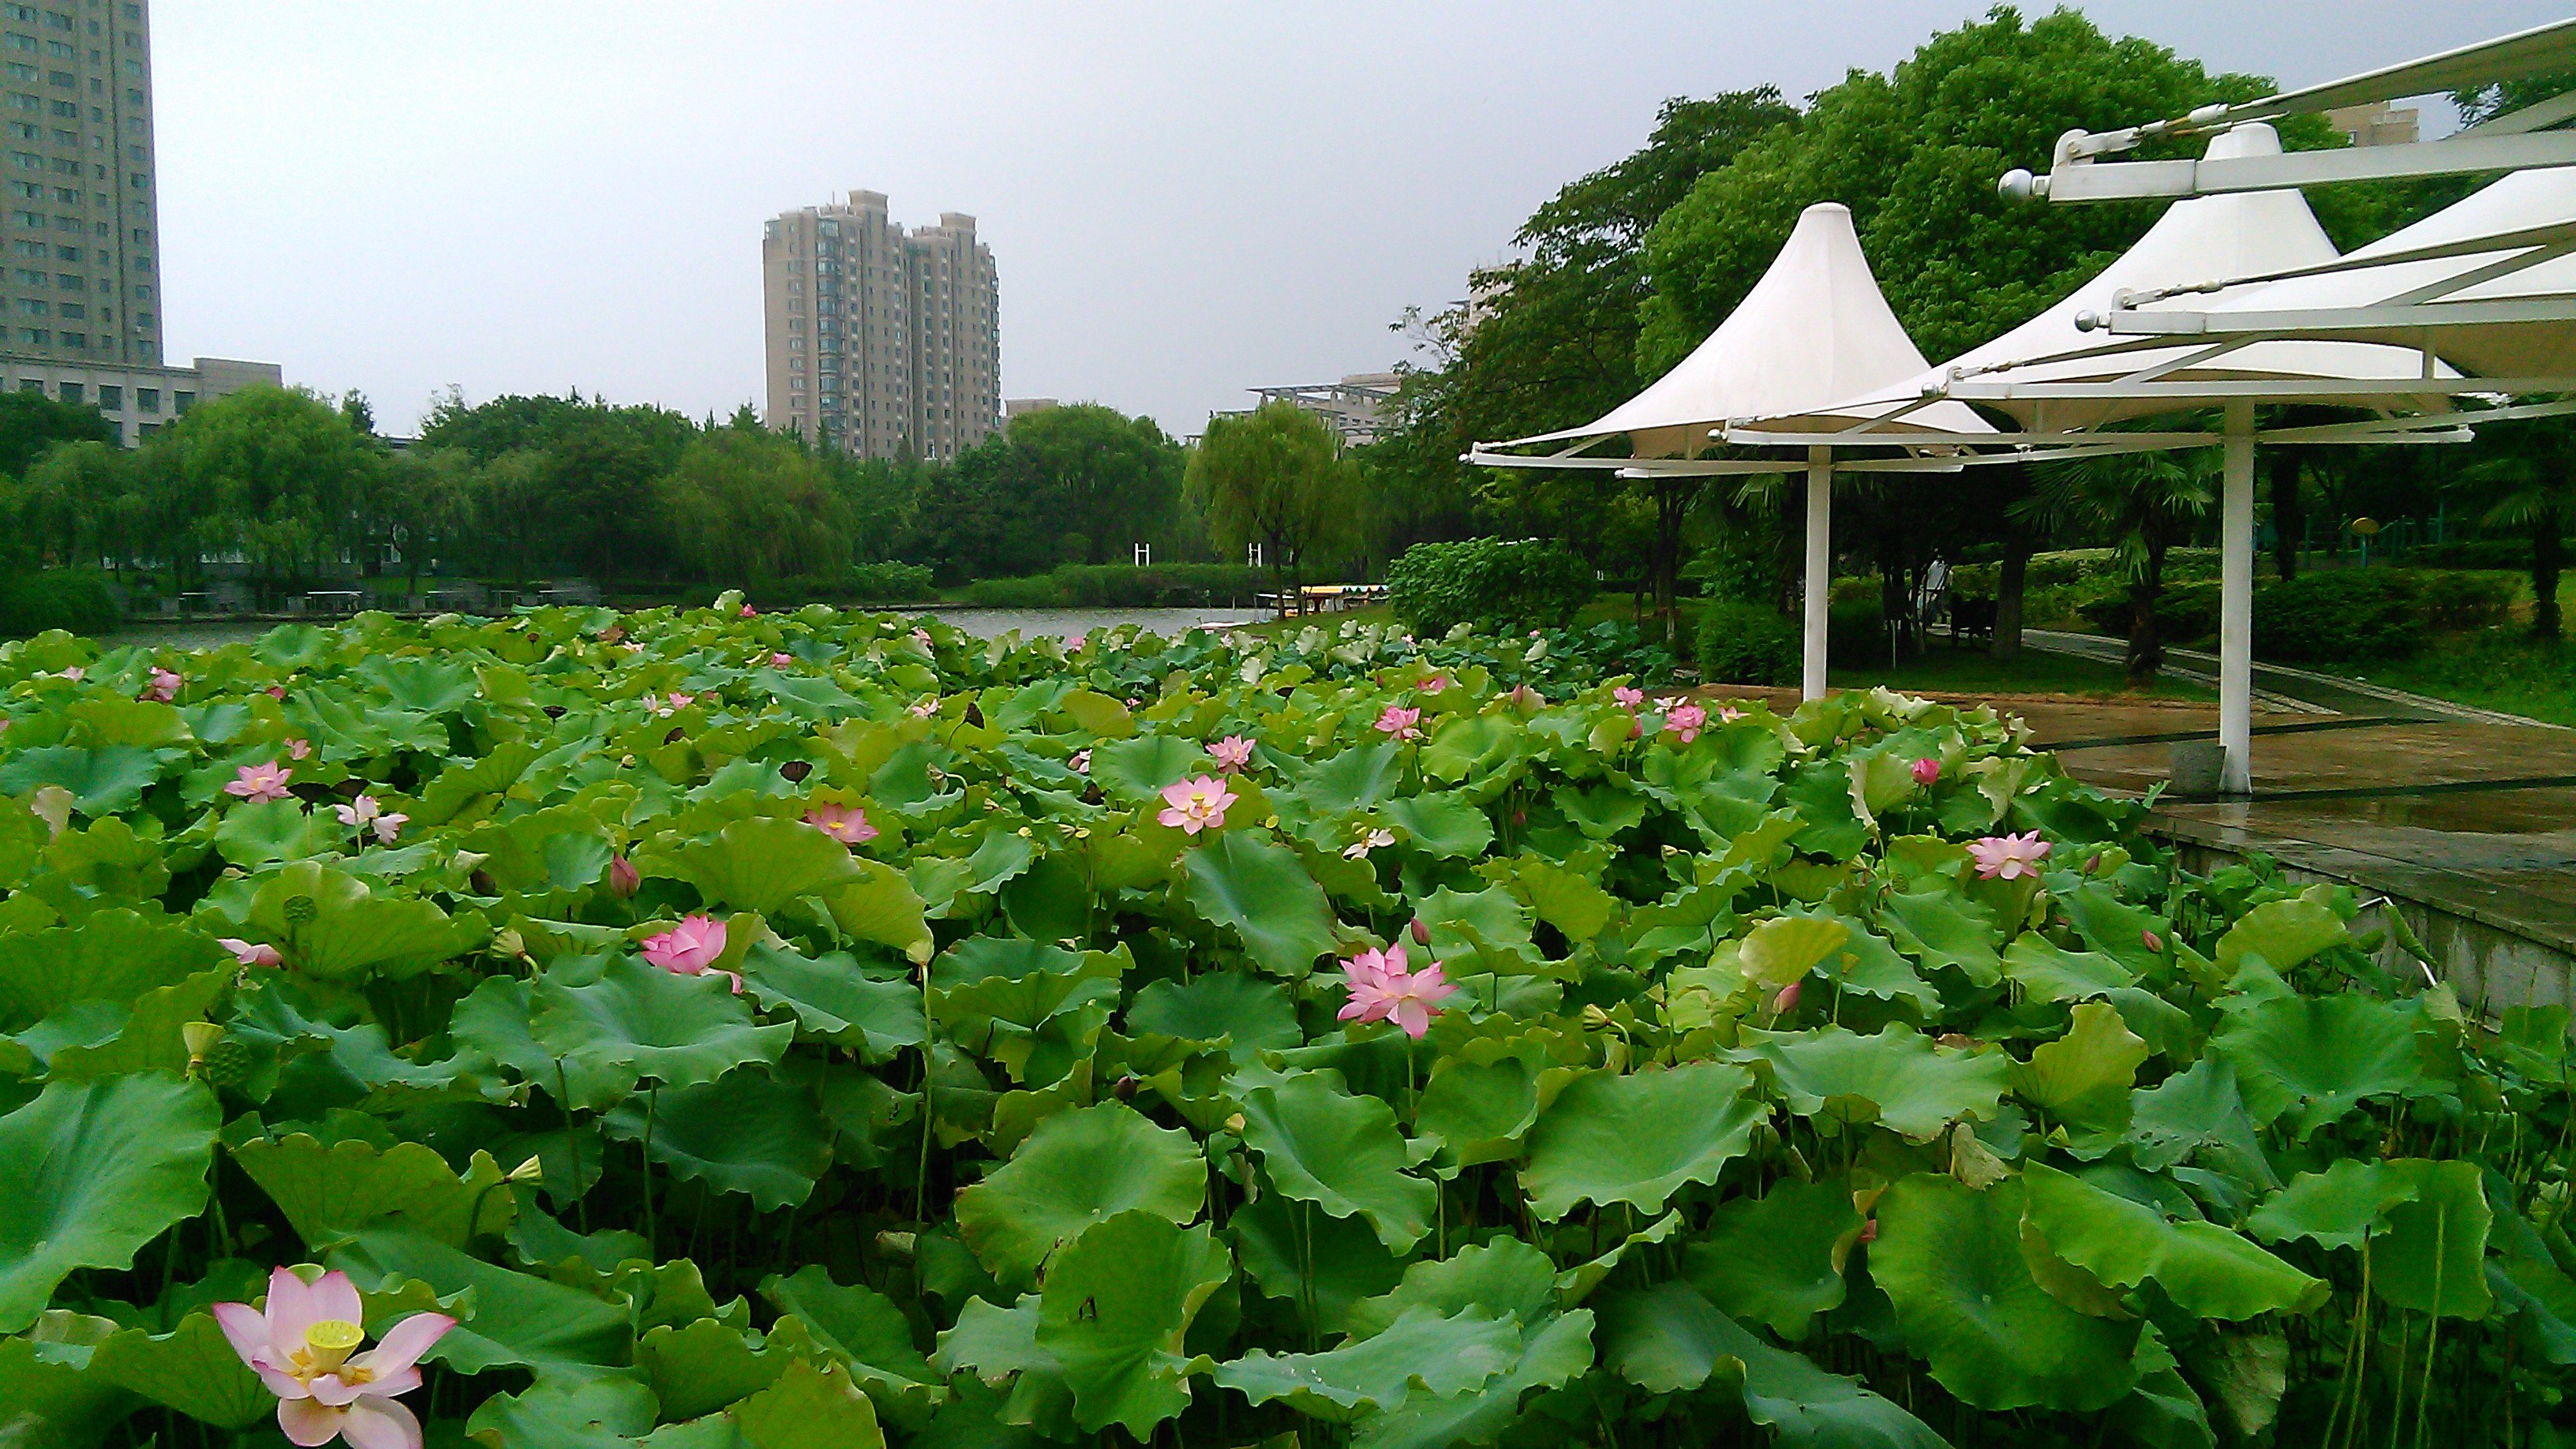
[1276,477]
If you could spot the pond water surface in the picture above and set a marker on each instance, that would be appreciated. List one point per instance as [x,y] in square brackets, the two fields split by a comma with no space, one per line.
[983,623]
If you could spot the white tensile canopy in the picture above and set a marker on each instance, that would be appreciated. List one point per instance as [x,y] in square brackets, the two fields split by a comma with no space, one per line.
[2061,377]
[1815,329]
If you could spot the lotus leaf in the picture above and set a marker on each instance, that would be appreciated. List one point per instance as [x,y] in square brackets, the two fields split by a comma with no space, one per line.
[1898,1077]
[98,1169]
[1638,1138]
[1076,1169]
[1116,1307]
[1341,1152]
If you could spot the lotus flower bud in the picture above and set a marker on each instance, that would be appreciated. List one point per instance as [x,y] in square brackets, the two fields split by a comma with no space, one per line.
[2152,942]
[1926,771]
[1421,932]
[623,879]
[1787,1000]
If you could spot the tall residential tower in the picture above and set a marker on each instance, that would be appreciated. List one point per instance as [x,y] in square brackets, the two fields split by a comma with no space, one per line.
[76,95]
[879,342]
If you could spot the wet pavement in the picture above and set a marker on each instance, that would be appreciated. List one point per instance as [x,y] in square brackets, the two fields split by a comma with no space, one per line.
[2456,810]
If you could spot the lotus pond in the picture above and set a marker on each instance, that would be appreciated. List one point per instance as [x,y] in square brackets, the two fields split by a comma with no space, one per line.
[716,1028]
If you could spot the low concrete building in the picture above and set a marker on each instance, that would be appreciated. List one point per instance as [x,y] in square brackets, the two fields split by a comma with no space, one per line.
[138,398]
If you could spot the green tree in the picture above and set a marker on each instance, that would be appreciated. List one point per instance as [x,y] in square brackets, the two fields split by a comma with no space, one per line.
[272,474]
[2529,484]
[2144,504]
[749,507]
[1275,477]
[80,503]
[1098,473]
[31,422]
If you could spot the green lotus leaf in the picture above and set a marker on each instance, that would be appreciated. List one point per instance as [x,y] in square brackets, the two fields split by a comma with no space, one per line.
[426,685]
[110,857]
[193,1369]
[1357,779]
[114,955]
[1246,1013]
[52,1399]
[1785,949]
[2114,927]
[1565,899]
[1488,927]
[2050,972]
[97,1170]
[331,1192]
[1078,1168]
[1421,1351]
[2311,1060]
[2211,1272]
[1340,1152]
[2433,1258]
[1310,1259]
[2284,933]
[2341,1207]
[146,1039]
[1135,770]
[1638,1138]
[1667,1339]
[881,906]
[949,887]
[1575,1284]
[2164,1411]
[1482,1100]
[106,781]
[1599,811]
[1951,1261]
[1472,746]
[1552,1356]
[1261,892]
[700,1367]
[145,722]
[1443,823]
[635,1022]
[1940,927]
[836,1000]
[2198,1115]
[1777,1259]
[565,1413]
[1117,1304]
[2084,1078]
[865,1330]
[341,931]
[809,1408]
[1032,1007]
[992,1342]
[1899,1077]
[748,1131]
[254,835]
[1051,900]
[758,864]
[506,1318]
[2542,1301]
[1505,1275]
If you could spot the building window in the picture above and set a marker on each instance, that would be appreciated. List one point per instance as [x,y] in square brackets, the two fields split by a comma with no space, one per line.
[147,399]
[182,401]
[111,397]
[71,392]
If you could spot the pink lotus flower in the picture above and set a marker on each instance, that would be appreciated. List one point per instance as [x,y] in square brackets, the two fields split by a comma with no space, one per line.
[1435,684]
[298,748]
[247,953]
[781,661]
[677,702]
[843,823]
[1383,990]
[256,783]
[1728,714]
[1077,643]
[1232,753]
[1787,1000]
[1629,697]
[165,685]
[2008,857]
[1374,840]
[1196,805]
[1926,771]
[927,709]
[277,691]
[73,672]
[623,879]
[1080,764]
[1686,721]
[1401,723]
[631,647]
[364,811]
[748,612]
[301,1348]
[921,637]
[690,947]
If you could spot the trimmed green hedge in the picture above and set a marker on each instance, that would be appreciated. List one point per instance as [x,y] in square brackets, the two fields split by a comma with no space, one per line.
[1488,582]
[1741,643]
[73,599]
[1122,586]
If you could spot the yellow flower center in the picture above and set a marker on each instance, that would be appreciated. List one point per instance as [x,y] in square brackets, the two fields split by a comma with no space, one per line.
[327,1346]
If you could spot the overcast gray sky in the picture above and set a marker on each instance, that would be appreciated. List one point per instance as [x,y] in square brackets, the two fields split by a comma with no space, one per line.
[1183,201]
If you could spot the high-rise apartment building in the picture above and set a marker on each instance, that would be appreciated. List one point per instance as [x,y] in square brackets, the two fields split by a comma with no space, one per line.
[78,217]
[878,341]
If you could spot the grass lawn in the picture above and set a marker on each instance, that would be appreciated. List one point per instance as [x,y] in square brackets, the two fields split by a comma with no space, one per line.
[1973,671]
[2497,669]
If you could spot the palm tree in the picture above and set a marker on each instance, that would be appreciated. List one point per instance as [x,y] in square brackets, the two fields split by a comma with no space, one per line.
[2534,489]
[2143,504]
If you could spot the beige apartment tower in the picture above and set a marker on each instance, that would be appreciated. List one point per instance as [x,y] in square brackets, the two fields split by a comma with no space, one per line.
[880,342]
[77,217]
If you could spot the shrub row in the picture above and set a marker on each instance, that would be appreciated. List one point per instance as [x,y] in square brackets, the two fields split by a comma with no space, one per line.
[1489,582]
[74,599]
[1122,586]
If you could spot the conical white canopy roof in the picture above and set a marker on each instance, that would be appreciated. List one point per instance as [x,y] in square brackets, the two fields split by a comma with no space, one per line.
[2195,241]
[2517,205]
[1813,330]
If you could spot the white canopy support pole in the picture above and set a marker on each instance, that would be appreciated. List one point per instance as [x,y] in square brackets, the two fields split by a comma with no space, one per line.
[1820,566]
[2236,602]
